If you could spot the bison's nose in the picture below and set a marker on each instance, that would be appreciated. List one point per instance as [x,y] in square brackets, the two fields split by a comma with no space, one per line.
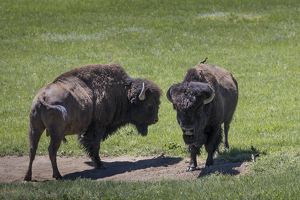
[188,130]
[155,120]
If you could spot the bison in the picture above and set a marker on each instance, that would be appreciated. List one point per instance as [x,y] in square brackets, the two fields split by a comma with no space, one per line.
[205,100]
[91,101]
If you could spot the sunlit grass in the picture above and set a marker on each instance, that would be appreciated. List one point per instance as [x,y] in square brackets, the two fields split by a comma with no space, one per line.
[258,41]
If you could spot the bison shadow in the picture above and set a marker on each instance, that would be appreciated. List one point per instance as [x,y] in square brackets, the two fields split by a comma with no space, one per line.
[228,162]
[120,167]
[222,168]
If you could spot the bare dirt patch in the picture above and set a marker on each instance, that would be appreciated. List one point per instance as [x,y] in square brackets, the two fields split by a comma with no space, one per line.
[120,168]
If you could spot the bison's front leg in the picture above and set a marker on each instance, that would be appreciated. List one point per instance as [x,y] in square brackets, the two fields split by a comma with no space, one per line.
[194,151]
[96,158]
[213,141]
[226,129]
[91,142]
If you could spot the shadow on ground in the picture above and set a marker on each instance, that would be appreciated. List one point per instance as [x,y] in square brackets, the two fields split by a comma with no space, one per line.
[222,167]
[230,162]
[120,167]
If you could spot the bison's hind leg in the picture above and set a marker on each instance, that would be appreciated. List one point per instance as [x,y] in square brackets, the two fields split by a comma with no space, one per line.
[36,129]
[226,130]
[57,137]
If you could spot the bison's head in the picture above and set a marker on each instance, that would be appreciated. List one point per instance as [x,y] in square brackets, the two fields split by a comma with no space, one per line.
[144,100]
[192,100]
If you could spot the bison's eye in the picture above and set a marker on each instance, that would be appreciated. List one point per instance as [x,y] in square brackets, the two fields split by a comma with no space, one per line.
[149,107]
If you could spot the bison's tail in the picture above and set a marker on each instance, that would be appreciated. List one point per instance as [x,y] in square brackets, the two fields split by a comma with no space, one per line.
[58,107]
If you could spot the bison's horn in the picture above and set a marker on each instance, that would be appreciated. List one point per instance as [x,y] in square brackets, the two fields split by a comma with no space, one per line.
[212,95]
[142,95]
[169,95]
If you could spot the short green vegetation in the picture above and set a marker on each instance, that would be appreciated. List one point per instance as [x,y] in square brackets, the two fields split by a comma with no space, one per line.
[258,41]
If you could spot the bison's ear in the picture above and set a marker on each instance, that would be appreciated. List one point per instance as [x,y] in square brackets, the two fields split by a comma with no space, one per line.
[211,96]
[204,90]
[168,94]
[209,91]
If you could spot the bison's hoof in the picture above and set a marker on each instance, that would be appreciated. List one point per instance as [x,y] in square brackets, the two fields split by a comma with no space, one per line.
[206,166]
[59,177]
[101,167]
[190,169]
[27,178]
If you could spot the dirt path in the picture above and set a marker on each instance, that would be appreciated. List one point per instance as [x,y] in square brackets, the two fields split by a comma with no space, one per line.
[120,168]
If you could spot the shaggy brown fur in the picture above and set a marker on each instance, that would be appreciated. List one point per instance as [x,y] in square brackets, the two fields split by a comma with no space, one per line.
[91,101]
[201,121]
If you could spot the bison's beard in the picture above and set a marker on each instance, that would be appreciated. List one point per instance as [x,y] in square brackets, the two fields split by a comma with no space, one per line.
[201,139]
[198,139]
[142,129]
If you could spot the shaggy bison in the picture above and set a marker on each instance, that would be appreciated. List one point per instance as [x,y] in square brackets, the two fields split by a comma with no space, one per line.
[91,101]
[205,99]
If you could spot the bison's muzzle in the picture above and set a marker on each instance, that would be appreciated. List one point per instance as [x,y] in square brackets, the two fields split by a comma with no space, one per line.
[188,130]
[189,136]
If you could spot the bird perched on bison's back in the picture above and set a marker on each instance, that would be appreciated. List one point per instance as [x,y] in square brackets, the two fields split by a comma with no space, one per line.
[204,60]
[91,101]
[205,99]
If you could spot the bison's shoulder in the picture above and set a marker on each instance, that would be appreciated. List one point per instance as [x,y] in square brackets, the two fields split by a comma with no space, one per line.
[214,75]
[202,73]
[95,75]
[210,70]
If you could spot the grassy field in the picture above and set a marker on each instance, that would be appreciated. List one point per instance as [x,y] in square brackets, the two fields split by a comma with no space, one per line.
[258,41]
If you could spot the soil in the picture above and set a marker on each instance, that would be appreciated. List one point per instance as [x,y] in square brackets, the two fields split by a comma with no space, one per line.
[120,168]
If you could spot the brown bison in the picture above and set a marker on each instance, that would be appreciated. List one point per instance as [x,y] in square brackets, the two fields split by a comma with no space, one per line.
[91,101]
[205,99]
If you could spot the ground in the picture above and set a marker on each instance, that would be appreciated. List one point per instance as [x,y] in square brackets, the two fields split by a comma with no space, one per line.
[120,168]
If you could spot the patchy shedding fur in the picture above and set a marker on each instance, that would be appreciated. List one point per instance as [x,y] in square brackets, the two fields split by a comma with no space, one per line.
[91,101]
[200,118]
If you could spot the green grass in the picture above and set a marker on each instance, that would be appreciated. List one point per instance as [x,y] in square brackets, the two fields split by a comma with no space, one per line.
[258,41]
[271,186]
